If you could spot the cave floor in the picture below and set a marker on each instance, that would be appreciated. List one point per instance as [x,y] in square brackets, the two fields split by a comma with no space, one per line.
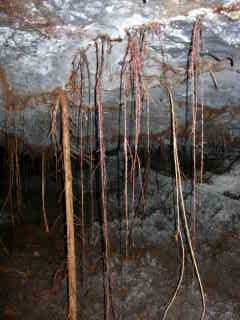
[33,280]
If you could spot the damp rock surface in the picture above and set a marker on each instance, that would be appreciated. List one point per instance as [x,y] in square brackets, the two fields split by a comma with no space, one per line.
[142,285]
[152,209]
[34,274]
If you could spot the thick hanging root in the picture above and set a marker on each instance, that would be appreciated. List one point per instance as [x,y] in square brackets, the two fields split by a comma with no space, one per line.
[72,277]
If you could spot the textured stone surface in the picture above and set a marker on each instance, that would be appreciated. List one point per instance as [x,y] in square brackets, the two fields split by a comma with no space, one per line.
[39,39]
[154,217]
[143,285]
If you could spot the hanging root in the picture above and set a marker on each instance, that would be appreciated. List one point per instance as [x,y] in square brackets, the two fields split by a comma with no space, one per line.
[45,219]
[181,215]
[72,277]
[79,85]
[14,194]
[193,74]
[100,53]
[132,85]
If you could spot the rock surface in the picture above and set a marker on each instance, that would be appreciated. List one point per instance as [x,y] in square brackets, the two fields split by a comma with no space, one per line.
[40,39]
[42,45]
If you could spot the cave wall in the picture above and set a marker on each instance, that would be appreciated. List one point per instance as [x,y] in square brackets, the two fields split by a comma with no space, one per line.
[42,41]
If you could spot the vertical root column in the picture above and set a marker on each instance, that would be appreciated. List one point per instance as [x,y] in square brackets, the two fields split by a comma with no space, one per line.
[72,277]
[45,219]
[102,166]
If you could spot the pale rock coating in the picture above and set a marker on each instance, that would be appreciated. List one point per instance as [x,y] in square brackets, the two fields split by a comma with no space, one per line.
[39,40]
